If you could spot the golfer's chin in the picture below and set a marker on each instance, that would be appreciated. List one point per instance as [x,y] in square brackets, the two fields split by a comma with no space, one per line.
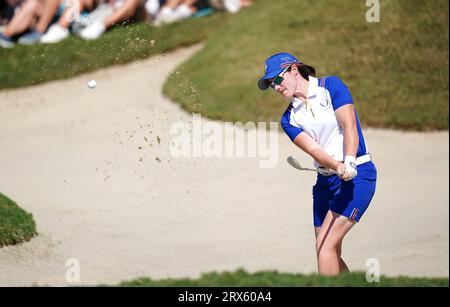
[286,94]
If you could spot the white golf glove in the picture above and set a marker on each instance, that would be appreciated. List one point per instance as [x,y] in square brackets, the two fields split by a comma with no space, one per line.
[350,168]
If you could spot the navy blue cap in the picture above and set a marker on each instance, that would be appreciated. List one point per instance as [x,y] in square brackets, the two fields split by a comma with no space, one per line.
[275,65]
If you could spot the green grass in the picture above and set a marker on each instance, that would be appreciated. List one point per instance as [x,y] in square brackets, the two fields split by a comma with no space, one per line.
[28,65]
[241,278]
[16,225]
[397,70]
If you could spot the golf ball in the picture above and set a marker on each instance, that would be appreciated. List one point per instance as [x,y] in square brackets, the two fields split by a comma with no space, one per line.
[92,84]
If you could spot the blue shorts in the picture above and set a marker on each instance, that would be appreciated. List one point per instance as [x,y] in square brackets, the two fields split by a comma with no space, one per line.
[347,198]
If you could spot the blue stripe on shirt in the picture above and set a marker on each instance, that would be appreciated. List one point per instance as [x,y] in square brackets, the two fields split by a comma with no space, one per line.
[291,131]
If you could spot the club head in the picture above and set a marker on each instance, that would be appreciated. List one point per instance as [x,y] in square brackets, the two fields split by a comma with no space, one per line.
[294,162]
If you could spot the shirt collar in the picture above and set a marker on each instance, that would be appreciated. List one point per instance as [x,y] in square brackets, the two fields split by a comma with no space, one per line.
[312,86]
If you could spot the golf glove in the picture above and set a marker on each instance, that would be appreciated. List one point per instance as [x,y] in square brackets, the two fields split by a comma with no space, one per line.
[350,168]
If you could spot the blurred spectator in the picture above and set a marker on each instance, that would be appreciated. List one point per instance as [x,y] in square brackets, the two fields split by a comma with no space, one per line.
[7,8]
[175,10]
[34,17]
[71,12]
[119,10]
[21,21]
[231,6]
[47,14]
[152,7]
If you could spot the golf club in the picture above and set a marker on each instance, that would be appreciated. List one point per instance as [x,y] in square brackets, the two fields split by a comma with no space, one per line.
[294,163]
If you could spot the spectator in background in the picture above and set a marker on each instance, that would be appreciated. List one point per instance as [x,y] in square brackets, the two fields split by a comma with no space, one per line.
[152,8]
[7,8]
[20,21]
[71,11]
[49,10]
[231,6]
[175,10]
[35,16]
[120,10]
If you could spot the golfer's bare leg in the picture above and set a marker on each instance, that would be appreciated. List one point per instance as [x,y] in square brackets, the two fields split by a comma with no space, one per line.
[342,265]
[328,243]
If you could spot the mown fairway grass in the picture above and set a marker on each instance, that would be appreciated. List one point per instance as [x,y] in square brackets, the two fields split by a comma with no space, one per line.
[16,225]
[241,278]
[397,69]
[27,65]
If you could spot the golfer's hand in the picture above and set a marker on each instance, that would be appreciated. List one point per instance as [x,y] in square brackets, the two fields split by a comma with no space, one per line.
[350,168]
[340,168]
[324,171]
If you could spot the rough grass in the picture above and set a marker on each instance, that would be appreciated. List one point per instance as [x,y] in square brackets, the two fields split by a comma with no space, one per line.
[241,278]
[397,70]
[28,65]
[16,225]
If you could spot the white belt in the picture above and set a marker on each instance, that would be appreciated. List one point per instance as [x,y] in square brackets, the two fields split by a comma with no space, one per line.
[363,159]
[360,160]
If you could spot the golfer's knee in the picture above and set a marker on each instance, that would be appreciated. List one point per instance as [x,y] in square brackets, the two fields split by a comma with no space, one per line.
[326,254]
[327,246]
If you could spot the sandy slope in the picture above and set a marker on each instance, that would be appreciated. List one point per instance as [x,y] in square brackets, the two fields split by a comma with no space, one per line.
[71,156]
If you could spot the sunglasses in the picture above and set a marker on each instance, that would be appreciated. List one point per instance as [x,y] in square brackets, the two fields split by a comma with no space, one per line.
[278,79]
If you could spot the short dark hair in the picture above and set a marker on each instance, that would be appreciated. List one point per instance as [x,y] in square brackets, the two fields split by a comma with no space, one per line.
[306,70]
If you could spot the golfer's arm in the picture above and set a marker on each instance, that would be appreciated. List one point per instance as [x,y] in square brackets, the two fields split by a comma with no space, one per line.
[308,145]
[346,119]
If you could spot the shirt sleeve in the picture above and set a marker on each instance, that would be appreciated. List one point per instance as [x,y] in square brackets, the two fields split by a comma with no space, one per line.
[291,130]
[339,93]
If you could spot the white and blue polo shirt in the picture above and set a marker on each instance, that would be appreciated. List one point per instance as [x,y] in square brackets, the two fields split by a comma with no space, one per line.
[316,116]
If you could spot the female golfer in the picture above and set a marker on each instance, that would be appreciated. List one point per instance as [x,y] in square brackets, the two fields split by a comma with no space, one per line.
[322,121]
